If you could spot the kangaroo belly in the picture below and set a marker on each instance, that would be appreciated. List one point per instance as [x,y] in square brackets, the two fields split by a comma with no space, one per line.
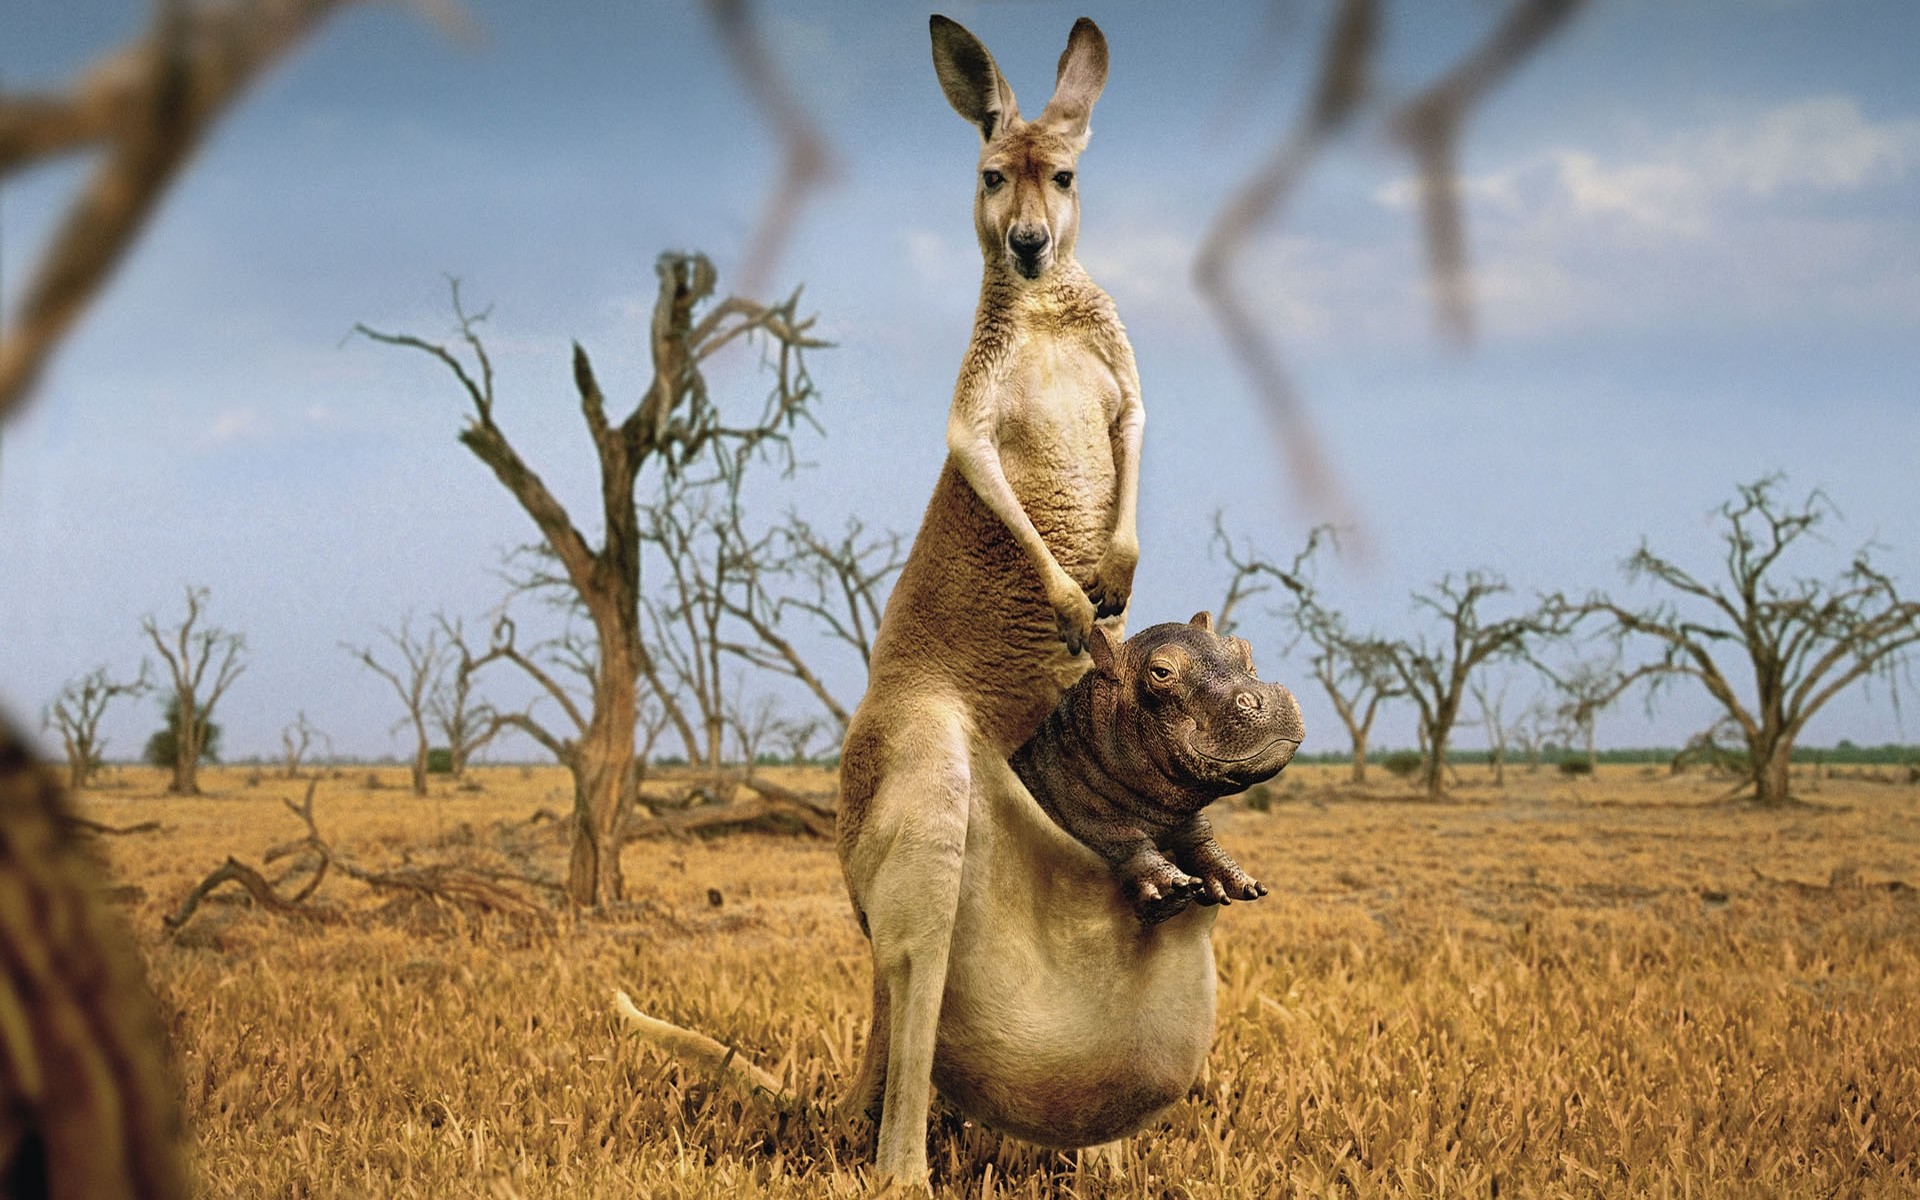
[1065,1022]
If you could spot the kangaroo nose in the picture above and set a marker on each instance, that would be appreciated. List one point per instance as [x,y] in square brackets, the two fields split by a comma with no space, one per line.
[1028,242]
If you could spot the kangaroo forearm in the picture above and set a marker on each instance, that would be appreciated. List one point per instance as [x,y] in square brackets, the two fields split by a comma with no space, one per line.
[1126,465]
[979,465]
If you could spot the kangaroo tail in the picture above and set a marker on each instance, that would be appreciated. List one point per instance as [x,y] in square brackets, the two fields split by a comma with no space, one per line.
[699,1048]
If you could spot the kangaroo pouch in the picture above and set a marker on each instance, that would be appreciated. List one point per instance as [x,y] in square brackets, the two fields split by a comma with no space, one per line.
[1065,1022]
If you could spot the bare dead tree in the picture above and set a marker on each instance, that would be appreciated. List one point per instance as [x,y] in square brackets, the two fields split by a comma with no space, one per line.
[845,580]
[76,714]
[1801,641]
[797,734]
[674,426]
[688,613]
[414,678]
[1429,125]
[731,591]
[1536,729]
[1586,689]
[295,740]
[754,723]
[1436,672]
[463,719]
[1490,702]
[190,653]
[145,108]
[1355,671]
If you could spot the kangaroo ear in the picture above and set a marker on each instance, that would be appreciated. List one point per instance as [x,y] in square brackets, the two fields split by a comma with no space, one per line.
[973,84]
[1101,647]
[1202,620]
[1083,72]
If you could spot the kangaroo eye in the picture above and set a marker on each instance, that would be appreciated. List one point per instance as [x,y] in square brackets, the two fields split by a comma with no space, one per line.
[992,179]
[1063,179]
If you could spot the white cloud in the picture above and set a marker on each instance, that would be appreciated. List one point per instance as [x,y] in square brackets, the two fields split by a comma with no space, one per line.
[1730,219]
[1819,144]
[1822,142]
[1141,266]
[932,256]
[235,425]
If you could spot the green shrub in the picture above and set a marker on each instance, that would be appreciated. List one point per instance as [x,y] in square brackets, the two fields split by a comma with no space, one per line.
[1402,764]
[1575,766]
[440,760]
[162,746]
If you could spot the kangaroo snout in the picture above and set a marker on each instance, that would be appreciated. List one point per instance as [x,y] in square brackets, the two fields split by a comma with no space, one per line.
[1028,245]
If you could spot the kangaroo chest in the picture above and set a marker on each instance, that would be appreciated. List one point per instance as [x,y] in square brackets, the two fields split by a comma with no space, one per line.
[1057,400]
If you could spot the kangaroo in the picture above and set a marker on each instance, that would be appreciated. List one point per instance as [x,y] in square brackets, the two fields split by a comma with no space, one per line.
[1028,540]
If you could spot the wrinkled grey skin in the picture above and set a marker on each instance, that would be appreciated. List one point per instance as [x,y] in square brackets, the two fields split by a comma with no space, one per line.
[1159,729]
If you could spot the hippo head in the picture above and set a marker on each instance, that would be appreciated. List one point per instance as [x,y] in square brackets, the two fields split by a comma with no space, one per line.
[1186,700]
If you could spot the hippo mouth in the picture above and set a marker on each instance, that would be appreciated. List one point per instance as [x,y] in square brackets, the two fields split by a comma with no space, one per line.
[1253,767]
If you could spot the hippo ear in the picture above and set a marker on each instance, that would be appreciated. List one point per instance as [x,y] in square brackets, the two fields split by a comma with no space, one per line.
[1202,620]
[1101,647]
[1243,650]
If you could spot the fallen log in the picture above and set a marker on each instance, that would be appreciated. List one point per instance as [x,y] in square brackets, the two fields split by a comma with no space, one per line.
[774,808]
[80,824]
[487,891]
[235,871]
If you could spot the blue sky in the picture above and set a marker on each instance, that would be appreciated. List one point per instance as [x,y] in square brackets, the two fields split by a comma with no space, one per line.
[1696,227]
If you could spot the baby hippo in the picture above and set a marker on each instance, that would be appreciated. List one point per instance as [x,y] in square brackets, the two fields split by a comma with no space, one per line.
[1160,728]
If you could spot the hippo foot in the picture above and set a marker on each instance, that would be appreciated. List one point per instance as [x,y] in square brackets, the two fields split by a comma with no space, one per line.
[1221,881]
[1162,892]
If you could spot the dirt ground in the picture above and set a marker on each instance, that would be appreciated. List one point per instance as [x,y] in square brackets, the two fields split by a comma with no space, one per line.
[1612,986]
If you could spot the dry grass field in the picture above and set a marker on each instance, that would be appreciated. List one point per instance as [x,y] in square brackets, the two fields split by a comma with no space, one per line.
[1603,987]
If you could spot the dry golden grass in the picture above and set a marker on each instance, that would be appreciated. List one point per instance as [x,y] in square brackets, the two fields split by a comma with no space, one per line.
[1609,987]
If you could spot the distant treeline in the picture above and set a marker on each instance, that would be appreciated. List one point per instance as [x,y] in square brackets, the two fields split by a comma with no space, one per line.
[1845,753]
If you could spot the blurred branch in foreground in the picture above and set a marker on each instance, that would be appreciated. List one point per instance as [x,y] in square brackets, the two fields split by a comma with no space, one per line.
[144,108]
[1429,125]
[809,163]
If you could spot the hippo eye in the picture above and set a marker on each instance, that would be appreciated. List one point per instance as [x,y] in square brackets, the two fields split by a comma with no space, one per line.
[1063,179]
[992,179]
[1160,673]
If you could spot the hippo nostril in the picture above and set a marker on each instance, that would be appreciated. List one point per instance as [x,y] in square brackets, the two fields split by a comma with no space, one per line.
[1247,701]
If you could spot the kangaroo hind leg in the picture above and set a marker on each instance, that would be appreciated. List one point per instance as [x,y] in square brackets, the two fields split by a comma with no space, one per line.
[919,822]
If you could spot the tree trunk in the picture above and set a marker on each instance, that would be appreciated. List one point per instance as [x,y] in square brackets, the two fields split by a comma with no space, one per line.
[420,768]
[186,751]
[1359,755]
[1771,781]
[90,1106]
[599,795]
[603,770]
[1433,769]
